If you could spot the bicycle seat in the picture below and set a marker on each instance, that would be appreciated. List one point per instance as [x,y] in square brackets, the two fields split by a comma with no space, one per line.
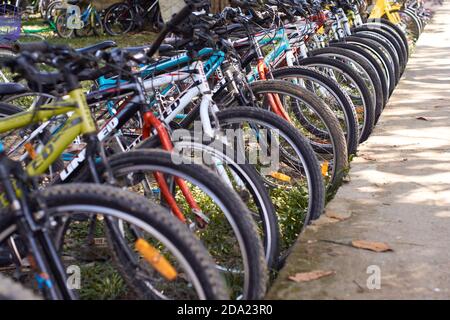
[73,2]
[98,46]
[12,88]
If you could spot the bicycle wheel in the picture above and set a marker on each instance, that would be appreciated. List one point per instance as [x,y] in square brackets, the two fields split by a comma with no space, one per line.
[226,227]
[353,85]
[398,45]
[61,26]
[52,10]
[362,67]
[390,52]
[331,94]
[297,169]
[376,51]
[395,30]
[170,260]
[243,178]
[315,121]
[373,61]
[118,19]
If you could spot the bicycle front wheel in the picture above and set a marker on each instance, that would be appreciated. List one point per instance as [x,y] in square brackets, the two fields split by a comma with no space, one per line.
[166,257]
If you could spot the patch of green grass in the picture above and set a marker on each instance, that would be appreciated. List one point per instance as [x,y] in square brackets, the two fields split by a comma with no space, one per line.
[130,39]
[291,206]
[101,281]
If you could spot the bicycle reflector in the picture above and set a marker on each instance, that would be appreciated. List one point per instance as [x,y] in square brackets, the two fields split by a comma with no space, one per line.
[324,168]
[280,176]
[156,259]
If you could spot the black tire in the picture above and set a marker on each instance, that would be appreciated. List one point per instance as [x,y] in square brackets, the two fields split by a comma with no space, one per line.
[11,290]
[374,47]
[113,15]
[61,28]
[390,52]
[373,61]
[117,204]
[397,43]
[364,65]
[343,100]
[394,29]
[317,192]
[334,131]
[369,108]
[238,215]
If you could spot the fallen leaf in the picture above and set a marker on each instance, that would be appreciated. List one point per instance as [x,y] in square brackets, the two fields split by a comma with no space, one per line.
[367,157]
[335,215]
[370,245]
[310,276]
[405,159]
[422,118]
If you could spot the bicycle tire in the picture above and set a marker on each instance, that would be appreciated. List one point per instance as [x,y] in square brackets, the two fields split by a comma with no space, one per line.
[356,59]
[373,61]
[111,11]
[375,49]
[239,215]
[401,50]
[121,204]
[396,30]
[369,108]
[328,118]
[347,107]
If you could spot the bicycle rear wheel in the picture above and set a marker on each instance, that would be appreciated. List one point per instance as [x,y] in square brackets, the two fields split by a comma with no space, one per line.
[118,19]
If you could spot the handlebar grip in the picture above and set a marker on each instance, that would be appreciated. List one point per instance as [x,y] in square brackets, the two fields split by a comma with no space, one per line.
[40,47]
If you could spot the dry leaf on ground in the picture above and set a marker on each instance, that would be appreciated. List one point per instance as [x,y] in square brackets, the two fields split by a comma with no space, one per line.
[310,276]
[371,245]
[368,157]
[422,118]
[335,215]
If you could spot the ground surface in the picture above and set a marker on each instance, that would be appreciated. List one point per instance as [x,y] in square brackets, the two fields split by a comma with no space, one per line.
[399,194]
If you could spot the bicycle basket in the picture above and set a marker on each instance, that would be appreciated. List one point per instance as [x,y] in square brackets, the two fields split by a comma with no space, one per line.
[10,23]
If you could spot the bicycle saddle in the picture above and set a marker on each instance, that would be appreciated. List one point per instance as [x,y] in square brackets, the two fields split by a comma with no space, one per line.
[98,46]
[12,88]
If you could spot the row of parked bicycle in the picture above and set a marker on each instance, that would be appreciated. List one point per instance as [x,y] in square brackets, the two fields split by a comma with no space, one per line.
[68,18]
[189,175]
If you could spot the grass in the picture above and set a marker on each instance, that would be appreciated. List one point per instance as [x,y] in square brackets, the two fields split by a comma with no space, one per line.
[127,40]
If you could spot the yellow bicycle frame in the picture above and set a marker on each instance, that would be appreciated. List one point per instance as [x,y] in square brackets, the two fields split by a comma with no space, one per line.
[80,122]
[386,8]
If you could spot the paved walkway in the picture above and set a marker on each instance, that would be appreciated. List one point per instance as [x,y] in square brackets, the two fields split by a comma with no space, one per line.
[399,194]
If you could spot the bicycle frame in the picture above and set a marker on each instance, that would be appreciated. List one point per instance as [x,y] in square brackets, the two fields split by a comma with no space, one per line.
[79,123]
[384,7]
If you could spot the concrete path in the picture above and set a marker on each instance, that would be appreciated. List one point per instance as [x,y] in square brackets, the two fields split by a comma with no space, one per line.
[399,194]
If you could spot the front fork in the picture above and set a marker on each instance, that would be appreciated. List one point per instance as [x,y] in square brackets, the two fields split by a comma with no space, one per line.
[152,122]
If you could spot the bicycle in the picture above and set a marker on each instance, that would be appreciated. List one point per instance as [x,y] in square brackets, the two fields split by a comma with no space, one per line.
[123,17]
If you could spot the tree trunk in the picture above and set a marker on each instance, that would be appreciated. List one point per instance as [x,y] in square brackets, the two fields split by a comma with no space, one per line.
[218,5]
